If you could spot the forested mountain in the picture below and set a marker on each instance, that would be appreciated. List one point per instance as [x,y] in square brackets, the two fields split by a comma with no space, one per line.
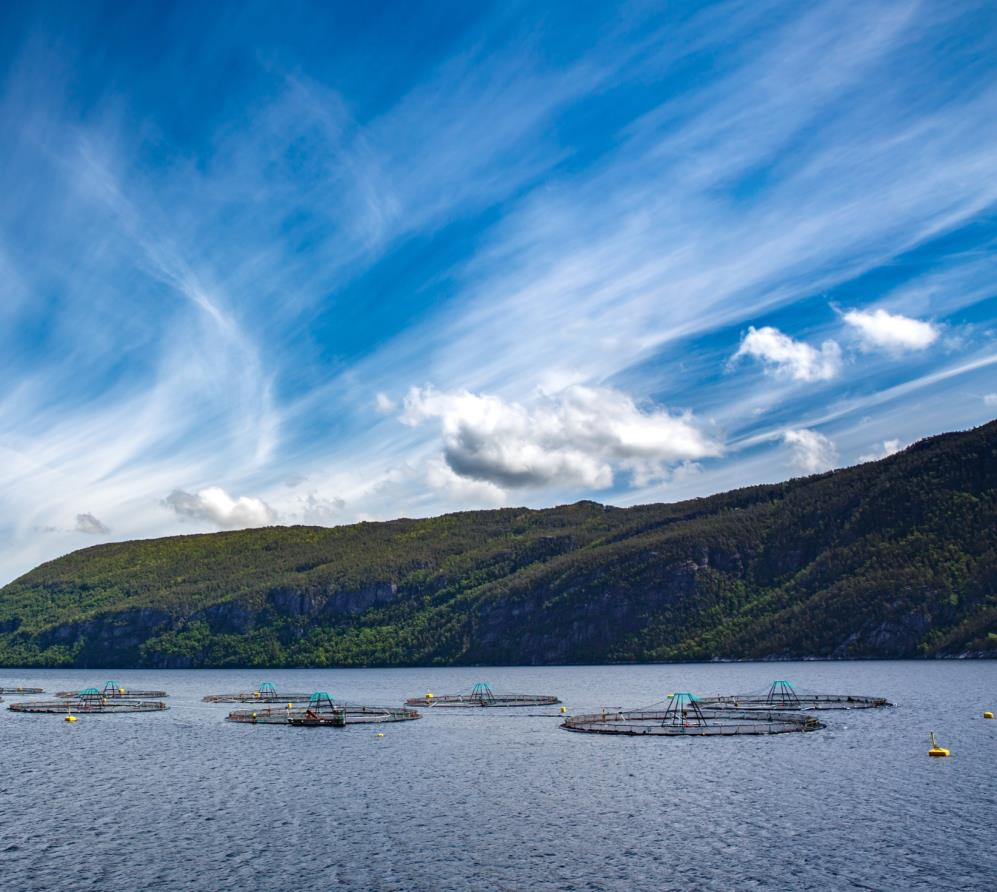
[895,558]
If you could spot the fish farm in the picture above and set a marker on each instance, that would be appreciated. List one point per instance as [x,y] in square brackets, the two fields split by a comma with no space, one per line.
[783,695]
[21,691]
[321,710]
[265,693]
[683,716]
[482,695]
[88,701]
[114,691]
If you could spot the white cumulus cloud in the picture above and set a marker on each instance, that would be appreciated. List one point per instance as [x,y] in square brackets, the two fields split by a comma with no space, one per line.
[218,507]
[886,448]
[87,523]
[788,357]
[990,399]
[319,510]
[880,330]
[812,452]
[576,437]
[462,490]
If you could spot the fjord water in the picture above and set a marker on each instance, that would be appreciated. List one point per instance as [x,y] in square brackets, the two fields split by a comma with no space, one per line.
[503,799]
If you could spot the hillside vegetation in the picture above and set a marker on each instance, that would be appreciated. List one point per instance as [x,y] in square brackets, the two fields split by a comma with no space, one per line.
[895,558]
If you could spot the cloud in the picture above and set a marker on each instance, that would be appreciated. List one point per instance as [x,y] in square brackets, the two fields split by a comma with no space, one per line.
[990,399]
[889,331]
[87,523]
[316,509]
[218,507]
[886,448]
[211,333]
[789,358]
[385,404]
[462,490]
[812,452]
[575,438]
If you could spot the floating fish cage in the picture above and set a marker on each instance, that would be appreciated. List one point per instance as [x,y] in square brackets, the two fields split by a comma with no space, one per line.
[322,710]
[683,716]
[22,691]
[783,695]
[114,691]
[265,693]
[88,701]
[482,695]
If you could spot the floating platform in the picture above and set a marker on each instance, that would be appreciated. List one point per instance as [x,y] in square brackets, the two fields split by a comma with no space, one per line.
[684,716]
[783,695]
[22,691]
[114,691]
[322,710]
[89,701]
[265,693]
[482,695]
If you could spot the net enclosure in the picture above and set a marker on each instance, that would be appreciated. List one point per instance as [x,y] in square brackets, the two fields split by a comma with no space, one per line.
[112,690]
[482,695]
[322,710]
[22,691]
[90,700]
[265,693]
[682,715]
[783,695]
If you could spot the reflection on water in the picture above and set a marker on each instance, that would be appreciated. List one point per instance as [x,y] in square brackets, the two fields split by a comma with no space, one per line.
[502,799]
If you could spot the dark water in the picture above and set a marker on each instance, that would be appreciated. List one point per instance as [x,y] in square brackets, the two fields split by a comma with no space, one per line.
[498,800]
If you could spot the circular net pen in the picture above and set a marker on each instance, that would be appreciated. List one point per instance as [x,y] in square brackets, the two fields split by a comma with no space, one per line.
[265,693]
[21,691]
[322,710]
[683,716]
[482,695]
[89,701]
[114,691]
[783,695]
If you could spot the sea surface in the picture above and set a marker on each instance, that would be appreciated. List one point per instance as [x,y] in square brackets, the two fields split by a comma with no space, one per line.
[503,799]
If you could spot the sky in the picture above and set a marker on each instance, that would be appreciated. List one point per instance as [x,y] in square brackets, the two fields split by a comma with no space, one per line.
[313,263]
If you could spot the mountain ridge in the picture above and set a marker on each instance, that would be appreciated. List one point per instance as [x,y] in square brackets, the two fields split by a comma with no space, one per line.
[893,558]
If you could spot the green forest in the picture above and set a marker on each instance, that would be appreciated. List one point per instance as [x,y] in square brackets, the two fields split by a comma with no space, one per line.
[894,558]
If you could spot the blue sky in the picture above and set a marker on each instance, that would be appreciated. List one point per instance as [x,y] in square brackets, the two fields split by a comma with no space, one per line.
[330,262]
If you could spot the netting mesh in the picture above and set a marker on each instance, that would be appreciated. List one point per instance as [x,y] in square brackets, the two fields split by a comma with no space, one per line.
[783,695]
[89,700]
[683,714]
[322,709]
[266,693]
[112,690]
[481,695]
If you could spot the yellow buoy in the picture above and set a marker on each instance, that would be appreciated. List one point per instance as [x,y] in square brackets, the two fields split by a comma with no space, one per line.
[564,709]
[288,705]
[380,734]
[936,750]
[121,691]
[988,715]
[429,695]
[70,718]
